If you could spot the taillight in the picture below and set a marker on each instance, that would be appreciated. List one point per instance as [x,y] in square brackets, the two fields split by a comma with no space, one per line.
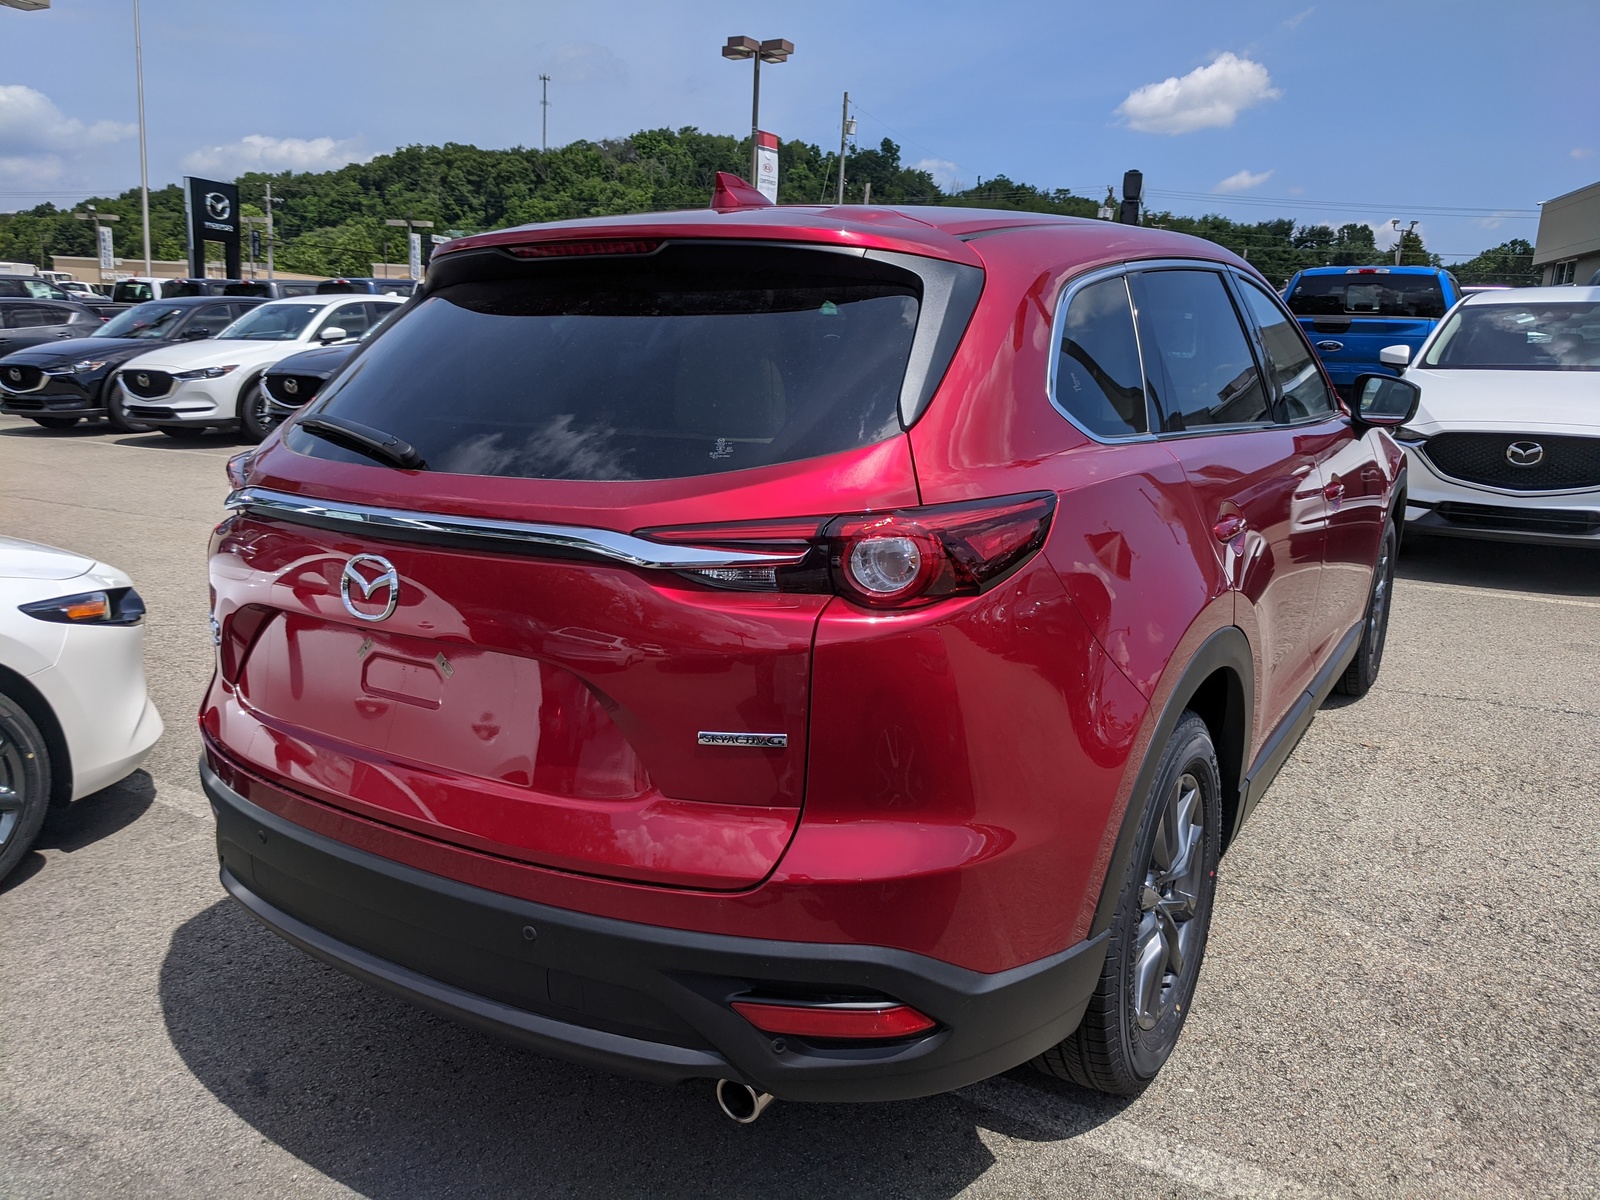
[238,469]
[864,1021]
[896,559]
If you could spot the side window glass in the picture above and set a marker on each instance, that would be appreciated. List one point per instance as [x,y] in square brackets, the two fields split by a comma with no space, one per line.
[1289,362]
[378,313]
[213,318]
[34,316]
[1097,369]
[1200,362]
[352,318]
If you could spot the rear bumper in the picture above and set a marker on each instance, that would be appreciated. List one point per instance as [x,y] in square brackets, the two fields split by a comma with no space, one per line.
[635,999]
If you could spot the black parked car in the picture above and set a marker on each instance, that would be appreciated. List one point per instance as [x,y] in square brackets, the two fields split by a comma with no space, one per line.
[31,287]
[29,322]
[367,286]
[58,383]
[272,289]
[290,385]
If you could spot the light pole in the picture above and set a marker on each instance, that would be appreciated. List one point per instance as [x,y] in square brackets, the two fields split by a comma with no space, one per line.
[144,168]
[773,50]
[410,224]
[544,113]
[90,213]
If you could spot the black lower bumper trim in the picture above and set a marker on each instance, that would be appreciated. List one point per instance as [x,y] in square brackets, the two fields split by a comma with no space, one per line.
[631,998]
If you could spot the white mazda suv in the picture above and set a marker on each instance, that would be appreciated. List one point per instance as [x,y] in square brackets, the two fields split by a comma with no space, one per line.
[189,387]
[1506,442]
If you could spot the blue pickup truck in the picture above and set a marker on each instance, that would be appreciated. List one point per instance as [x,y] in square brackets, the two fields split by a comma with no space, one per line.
[1351,313]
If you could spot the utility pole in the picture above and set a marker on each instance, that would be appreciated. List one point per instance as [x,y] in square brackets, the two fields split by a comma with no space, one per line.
[271,241]
[1400,238]
[844,132]
[544,113]
[144,167]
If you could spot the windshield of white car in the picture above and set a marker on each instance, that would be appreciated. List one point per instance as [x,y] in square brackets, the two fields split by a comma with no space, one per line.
[273,322]
[155,320]
[1551,336]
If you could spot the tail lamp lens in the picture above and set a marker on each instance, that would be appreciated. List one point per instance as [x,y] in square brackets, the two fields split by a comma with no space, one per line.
[863,1022]
[884,560]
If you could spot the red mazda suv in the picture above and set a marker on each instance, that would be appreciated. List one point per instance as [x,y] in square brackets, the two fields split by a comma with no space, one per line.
[821,650]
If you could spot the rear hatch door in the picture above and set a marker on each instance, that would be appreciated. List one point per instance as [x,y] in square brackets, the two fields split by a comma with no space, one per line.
[517,649]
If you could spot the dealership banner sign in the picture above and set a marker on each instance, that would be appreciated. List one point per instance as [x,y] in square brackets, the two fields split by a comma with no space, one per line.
[767,165]
[212,209]
[108,261]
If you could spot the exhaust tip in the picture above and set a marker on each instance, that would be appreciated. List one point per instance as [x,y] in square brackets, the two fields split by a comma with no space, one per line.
[740,1102]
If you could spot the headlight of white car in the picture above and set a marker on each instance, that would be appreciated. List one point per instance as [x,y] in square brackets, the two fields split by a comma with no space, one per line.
[1407,436]
[207,372]
[113,606]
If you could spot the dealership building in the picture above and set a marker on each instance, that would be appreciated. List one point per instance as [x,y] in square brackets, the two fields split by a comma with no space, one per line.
[1568,245]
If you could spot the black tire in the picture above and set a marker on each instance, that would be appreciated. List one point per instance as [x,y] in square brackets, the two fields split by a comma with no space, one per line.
[185,433]
[56,422]
[24,783]
[1162,920]
[256,420]
[1362,672]
[117,411]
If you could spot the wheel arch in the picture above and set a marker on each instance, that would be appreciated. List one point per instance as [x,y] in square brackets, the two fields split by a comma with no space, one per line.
[1218,684]
[27,697]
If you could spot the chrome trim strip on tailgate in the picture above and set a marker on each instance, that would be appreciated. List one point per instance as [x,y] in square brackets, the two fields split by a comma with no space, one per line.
[602,543]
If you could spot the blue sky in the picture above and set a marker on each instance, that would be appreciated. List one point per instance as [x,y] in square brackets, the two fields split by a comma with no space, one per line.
[1320,111]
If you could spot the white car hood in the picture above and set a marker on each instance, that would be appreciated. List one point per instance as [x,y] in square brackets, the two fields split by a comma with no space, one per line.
[215,352]
[1507,401]
[30,560]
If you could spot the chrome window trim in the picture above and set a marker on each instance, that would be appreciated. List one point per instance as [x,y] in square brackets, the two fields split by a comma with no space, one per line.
[600,543]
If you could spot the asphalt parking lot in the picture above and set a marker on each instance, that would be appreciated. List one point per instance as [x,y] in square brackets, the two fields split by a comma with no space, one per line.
[1399,998]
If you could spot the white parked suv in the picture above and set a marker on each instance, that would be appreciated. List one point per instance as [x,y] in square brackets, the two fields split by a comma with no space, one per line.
[75,715]
[1506,442]
[188,387]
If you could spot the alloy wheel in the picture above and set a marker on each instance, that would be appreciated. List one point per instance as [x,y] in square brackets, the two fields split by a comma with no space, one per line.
[1169,900]
[13,782]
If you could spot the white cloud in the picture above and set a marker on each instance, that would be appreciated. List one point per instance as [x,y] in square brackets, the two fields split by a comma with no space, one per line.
[30,123]
[1581,152]
[1207,96]
[945,173]
[1243,181]
[1295,20]
[256,152]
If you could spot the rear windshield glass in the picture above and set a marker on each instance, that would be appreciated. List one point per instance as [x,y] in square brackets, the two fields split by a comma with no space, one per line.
[690,361]
[1520,337]
[1375,294]
[130,292]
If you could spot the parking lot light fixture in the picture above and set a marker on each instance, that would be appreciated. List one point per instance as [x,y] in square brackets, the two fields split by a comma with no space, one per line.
[773,50]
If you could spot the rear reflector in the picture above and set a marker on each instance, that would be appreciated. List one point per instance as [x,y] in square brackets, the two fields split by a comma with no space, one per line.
[866,1021]
[593,246]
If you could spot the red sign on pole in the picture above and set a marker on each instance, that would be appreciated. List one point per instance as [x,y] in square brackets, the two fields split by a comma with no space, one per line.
[767,162]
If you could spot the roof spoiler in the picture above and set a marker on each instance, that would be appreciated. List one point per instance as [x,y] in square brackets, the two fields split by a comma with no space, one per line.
[733,192]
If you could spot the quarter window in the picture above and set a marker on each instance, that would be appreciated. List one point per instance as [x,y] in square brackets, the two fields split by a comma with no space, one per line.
[1097,369]
[1289,363]
[1201,370]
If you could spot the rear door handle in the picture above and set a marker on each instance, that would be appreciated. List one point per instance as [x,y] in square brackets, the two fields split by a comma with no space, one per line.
[1229,527]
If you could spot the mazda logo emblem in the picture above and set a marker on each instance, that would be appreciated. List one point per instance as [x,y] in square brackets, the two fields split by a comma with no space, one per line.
[16,375]
[218,206]
[142,380]
[1524,454]
[383,578]
[292,387]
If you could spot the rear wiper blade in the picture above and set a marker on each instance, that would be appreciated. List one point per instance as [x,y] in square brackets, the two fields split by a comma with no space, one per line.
[364,439]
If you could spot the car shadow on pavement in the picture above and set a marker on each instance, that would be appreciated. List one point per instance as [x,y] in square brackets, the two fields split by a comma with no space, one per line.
[85,822]
[1505,566]
[210,440]
[393,1101]
[31,429]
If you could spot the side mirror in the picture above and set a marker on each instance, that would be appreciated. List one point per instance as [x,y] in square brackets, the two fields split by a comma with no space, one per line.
[1395,356]
[1385,401]
[332,334]
[195,335]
